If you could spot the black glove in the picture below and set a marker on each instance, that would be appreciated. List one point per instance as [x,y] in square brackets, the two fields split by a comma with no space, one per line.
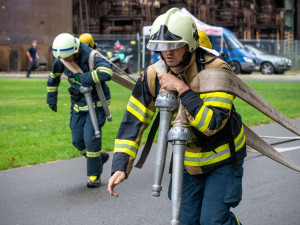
[53,107]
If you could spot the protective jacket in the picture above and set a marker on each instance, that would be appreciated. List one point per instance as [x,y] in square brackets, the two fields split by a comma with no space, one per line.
[100,73]
[212,120]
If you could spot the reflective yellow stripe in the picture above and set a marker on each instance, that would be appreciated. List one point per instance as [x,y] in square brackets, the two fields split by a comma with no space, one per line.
[212,102]
[217,94]
[54,75]
[217,99]
[52,89]
[74,81]
[126,146]
[99,104]
[93,154]
[82,152]
[221,153]
[203,118]
[237,220]
[105,70]
[139,110]
[95,76]
[86,108]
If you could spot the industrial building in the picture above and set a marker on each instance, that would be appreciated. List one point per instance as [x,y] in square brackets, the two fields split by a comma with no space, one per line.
[22,21]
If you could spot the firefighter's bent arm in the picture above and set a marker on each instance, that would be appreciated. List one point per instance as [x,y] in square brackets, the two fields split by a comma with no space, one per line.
[53,82]
[139,113]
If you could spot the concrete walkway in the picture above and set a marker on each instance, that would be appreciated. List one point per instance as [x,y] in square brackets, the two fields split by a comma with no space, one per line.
[55,193]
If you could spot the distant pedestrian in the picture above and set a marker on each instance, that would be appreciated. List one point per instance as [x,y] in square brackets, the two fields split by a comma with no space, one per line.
[33,56]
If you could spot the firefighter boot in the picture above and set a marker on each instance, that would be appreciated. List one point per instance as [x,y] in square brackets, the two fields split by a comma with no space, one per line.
[94,182]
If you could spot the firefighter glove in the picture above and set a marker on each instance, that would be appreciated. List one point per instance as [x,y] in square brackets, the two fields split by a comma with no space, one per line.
[77,77]
[53,107]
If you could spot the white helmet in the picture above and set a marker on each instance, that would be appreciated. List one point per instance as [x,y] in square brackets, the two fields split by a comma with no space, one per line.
[172,30]
[65,45]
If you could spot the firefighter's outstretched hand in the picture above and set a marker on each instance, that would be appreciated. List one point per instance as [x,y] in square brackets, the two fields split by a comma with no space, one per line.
[115,179]
[53,107]
[170,82]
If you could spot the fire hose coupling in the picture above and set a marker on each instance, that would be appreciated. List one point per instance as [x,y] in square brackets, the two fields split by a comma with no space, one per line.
[175,222]
[181,134]
[156,189]
[84,90]
[166,101]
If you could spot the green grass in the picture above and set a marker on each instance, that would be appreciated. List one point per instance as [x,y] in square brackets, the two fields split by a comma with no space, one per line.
[31,133]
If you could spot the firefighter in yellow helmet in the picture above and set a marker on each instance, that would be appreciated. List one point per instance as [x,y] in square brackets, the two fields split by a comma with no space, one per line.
[212,177]
[88,39]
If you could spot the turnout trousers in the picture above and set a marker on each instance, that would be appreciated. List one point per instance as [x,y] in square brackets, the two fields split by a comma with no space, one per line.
[84,139]
[32,66]
[207,198]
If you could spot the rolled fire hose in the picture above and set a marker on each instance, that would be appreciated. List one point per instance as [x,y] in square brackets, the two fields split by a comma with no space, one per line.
[178,135]
[211,80]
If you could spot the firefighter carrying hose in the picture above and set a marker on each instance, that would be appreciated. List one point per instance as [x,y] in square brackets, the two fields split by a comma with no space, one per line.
[67,48]
[212,176]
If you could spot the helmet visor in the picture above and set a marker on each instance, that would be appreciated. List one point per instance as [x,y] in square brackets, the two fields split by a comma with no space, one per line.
[164,46]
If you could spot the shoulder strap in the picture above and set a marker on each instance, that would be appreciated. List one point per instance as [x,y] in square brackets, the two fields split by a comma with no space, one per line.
[152,71]
[92,58]
[73,67]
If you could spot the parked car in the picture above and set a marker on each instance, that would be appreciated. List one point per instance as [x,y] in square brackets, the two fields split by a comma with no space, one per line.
[268,63]
[234,53]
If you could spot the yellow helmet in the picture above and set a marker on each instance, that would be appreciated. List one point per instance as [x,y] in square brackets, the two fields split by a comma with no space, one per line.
[205,43]
[88,39]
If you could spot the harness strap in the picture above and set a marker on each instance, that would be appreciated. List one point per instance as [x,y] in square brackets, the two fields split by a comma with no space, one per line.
[230,140]
[149,143]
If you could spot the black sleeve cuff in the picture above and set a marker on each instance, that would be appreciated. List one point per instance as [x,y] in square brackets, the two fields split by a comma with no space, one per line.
[119,162]
[185,93]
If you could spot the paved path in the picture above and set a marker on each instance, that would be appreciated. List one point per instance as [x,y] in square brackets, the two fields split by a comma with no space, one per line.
[55,193]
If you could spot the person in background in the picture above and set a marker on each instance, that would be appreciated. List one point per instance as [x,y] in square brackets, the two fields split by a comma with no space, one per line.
[213,162]
[33,56]
[67,48]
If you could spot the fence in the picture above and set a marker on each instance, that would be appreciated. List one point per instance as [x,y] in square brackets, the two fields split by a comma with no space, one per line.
[141,59]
